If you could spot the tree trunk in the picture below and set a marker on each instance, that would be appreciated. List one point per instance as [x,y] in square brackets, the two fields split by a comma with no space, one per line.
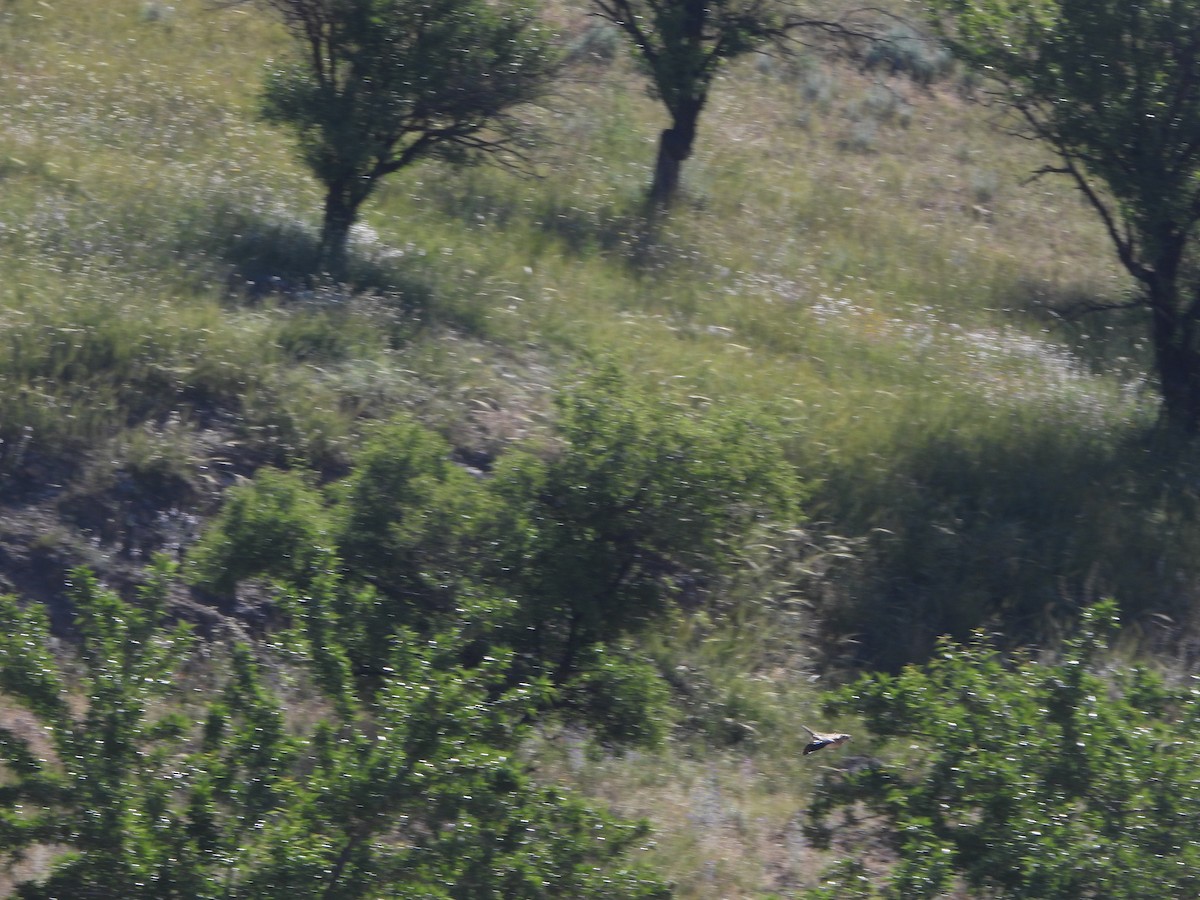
[666,171]
[341,212]
[1175,332]
[1177,361]
[674,147]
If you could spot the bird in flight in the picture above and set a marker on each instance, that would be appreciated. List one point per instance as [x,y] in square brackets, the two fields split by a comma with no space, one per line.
[820,741]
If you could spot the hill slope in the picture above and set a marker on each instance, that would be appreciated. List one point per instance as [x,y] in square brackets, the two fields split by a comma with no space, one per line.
[857,253]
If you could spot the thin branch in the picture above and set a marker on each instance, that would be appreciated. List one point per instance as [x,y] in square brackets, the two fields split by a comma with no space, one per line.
[1084,307]
[1121,238]
[621,14]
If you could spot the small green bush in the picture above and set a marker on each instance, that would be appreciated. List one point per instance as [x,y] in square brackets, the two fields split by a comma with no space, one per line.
[638,504]
[402,514]
[621,697]
[1016,778]
[274,526]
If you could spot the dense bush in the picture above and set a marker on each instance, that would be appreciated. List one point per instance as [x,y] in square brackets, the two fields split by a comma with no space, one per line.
[403,511]
[273,526]
[1017,778]
[562,552]
[639,504]
[151,790]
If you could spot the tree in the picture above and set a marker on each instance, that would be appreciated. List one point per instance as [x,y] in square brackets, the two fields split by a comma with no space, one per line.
[149,788]
[641,498]
[381,84]
[1018,778]
[1111,87]
[683,44]
[561,555]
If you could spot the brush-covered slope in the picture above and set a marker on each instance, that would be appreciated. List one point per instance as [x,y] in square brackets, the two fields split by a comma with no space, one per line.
[859,254]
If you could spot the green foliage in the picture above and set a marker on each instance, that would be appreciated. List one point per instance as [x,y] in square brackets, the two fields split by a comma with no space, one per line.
[381,84]
[642,500]
[499,834]
[274,526]
[101,792]
[621,697]
[682,45]
[950,505]
[846,880]
[1072,778]
[1118,65]
[414,793]
[892,360]
[403,511]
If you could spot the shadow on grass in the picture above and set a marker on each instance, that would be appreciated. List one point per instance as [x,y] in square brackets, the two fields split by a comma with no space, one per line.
[636,235]
[629,229]
[266,255]
[1015,534]
[1107,335]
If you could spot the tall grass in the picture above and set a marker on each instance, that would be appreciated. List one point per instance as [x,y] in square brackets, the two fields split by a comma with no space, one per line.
[893,297]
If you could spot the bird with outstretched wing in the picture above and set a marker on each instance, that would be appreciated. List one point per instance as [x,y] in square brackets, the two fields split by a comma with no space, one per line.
[820,741]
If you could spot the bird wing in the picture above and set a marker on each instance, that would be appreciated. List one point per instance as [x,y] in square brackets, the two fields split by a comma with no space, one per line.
[820,740]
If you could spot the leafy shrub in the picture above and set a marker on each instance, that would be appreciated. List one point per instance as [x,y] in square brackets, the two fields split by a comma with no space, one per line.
[402,512]
[622,697]
[1076,778]
[273,526]
[415,794]
[637,505]
[558,556]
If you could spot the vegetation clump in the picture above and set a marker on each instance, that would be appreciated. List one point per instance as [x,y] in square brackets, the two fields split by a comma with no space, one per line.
[580,544]
[1015,778]
[150,788]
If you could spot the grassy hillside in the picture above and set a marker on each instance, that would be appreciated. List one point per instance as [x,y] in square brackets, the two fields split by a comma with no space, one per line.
[859,255]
